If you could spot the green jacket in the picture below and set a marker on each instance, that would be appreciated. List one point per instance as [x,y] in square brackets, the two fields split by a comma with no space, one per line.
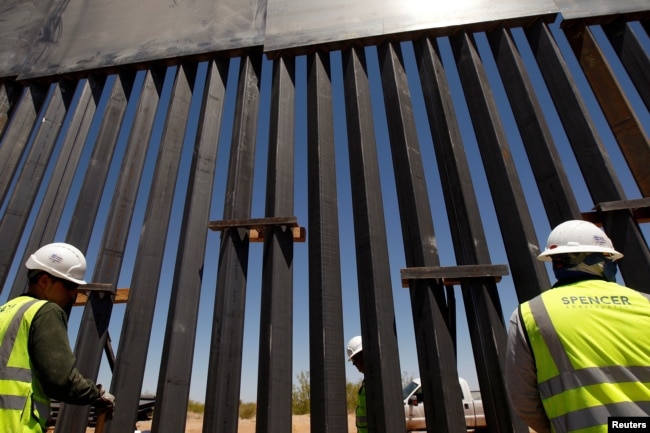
[42,347]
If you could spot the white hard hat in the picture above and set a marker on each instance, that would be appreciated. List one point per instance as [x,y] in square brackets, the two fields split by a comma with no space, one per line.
[60,260]
[354,347]
[577,236]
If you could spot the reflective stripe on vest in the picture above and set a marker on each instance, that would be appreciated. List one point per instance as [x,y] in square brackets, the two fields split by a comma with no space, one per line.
[18,375]
[583,396]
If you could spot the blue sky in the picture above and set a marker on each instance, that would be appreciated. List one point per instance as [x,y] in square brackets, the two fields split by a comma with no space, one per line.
[408,359]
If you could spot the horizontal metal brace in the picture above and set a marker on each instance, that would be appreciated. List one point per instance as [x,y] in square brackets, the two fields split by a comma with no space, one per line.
[640,208]
[453,275]
[257,226]
[98,287]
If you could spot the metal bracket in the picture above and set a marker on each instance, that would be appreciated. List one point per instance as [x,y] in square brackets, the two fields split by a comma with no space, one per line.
[121,296]
[257,227]
[640,208]
[453,275]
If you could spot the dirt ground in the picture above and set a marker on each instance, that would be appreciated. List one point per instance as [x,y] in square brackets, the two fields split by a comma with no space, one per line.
[300,424]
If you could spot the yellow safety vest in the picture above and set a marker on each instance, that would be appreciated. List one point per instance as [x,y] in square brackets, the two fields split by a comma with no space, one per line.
[362,416]
[24,407]
[590,344]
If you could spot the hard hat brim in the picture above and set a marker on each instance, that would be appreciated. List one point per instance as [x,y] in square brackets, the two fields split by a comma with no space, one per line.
[546,256]
[355,353]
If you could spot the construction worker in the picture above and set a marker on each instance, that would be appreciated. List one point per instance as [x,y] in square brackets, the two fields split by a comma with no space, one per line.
[36,362]
[579,353]
[355,355]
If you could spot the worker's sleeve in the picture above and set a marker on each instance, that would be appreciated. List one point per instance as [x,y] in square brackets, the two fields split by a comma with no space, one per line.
[521,378]
[54,361]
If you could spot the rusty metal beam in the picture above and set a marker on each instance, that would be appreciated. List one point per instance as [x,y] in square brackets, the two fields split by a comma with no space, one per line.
[452,275]
[595,165]
[633,56]
[257,227]
[626,126]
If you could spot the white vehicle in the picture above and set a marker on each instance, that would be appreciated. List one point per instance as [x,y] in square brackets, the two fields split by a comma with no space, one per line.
[414,406]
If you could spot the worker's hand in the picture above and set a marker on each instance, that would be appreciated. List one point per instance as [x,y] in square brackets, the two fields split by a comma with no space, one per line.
[105,403]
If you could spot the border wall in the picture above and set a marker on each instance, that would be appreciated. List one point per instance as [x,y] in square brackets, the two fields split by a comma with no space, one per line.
[186,145]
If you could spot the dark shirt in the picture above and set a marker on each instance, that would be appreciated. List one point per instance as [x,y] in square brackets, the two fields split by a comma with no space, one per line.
[54,362]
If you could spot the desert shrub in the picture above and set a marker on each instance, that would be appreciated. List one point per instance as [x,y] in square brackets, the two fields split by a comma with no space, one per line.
[352,394]
[247,410]
[301,395]
[195,407]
